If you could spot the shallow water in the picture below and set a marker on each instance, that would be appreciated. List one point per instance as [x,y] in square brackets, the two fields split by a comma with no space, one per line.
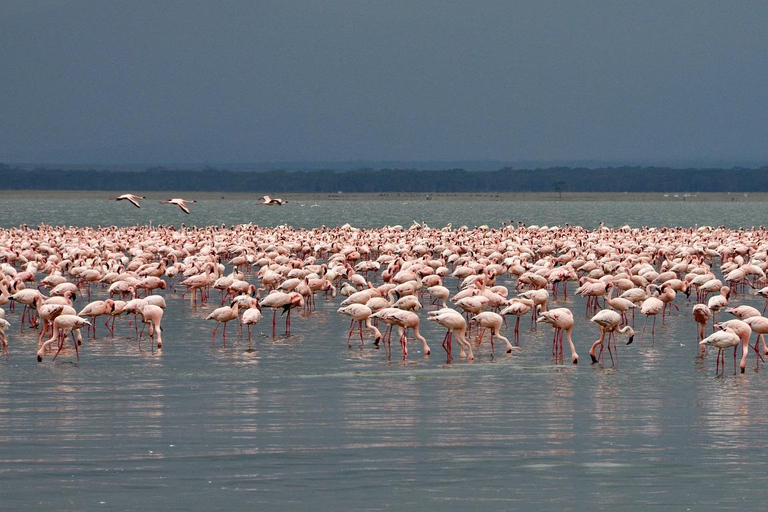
[304,421]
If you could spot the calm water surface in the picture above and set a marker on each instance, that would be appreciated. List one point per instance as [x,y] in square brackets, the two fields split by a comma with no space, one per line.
[303,421]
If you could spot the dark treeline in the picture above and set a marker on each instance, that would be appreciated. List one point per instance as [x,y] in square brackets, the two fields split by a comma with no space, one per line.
[561,179]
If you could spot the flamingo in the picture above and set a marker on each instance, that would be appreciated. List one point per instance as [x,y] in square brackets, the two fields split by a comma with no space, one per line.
[181,203]
[61,325]
[269,201]
[518,307]
[361,314]
[97,308]
[251,316]
[561,319]
[722,339]
[153,315]
[223,315]
[609,322]
[133,199]
[651,306]
[286,302]
[701,315]
[493,321]
[453,321]
[759,325]
[744,332]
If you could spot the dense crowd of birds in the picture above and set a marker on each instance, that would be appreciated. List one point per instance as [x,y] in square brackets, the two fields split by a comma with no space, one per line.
[469,280]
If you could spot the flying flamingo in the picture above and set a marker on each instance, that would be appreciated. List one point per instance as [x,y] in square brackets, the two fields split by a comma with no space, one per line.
[61,325]
[133,199]
[453,321]
[181,203]
[269,201]
[562,320]
[609,322]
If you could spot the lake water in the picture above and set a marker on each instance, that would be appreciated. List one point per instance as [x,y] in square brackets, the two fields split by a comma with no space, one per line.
[304,422]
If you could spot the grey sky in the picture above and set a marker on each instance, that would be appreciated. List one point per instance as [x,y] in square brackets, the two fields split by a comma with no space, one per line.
[243,81]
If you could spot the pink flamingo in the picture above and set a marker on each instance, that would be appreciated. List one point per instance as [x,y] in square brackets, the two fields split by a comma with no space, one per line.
[284,301]
[701,315]
[251,316]
[722,339]
[492,321]
[562,320]
[133,199]
[224,315]
[360,313]
[453,321]
[153,315]
[609,322]
[181,203]
[97,308]
[61,325]
[270,201]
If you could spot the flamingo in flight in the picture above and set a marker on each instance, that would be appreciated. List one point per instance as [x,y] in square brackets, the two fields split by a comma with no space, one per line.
[181,203]
[271,201]
[132,198]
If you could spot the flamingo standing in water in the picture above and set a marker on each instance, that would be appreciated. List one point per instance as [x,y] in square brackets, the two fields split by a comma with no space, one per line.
[453,321]
[518,307]
[133,199]
[63,324]
[223,315]
[759,325]
[251,316]
[360,313]
[284,301]
[562,320]
[153,315]
[609,322]
[701,315]
[181,203]
[722,340]
[492,321]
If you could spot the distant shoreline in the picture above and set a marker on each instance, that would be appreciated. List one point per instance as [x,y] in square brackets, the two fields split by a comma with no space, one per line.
[402,196]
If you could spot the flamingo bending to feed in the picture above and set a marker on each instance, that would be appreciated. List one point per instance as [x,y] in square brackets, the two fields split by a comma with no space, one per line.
[133,199]
[181,203]
[744,332]
[562,320]
[63,324]
[701,315]
[453,321]
[492,321]
[609,322]
[722,340]
[97,308]
[360,313]
[153,315]
[251,316]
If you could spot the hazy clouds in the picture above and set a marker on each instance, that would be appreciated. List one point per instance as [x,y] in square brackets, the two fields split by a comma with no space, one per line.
[244,81]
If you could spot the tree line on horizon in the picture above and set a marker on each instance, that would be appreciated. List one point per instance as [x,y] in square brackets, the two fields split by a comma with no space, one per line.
[556,179]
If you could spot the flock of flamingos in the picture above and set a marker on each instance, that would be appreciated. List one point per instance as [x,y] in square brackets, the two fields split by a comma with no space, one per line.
[472,282]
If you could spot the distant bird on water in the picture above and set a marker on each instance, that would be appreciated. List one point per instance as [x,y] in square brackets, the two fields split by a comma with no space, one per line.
[134,199]
[271,201]
[181,203]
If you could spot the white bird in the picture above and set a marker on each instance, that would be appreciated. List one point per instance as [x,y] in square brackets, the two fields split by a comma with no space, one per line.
[181,203]
[133,199]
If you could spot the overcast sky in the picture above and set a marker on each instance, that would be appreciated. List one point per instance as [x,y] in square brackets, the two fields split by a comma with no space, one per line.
[333,80]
